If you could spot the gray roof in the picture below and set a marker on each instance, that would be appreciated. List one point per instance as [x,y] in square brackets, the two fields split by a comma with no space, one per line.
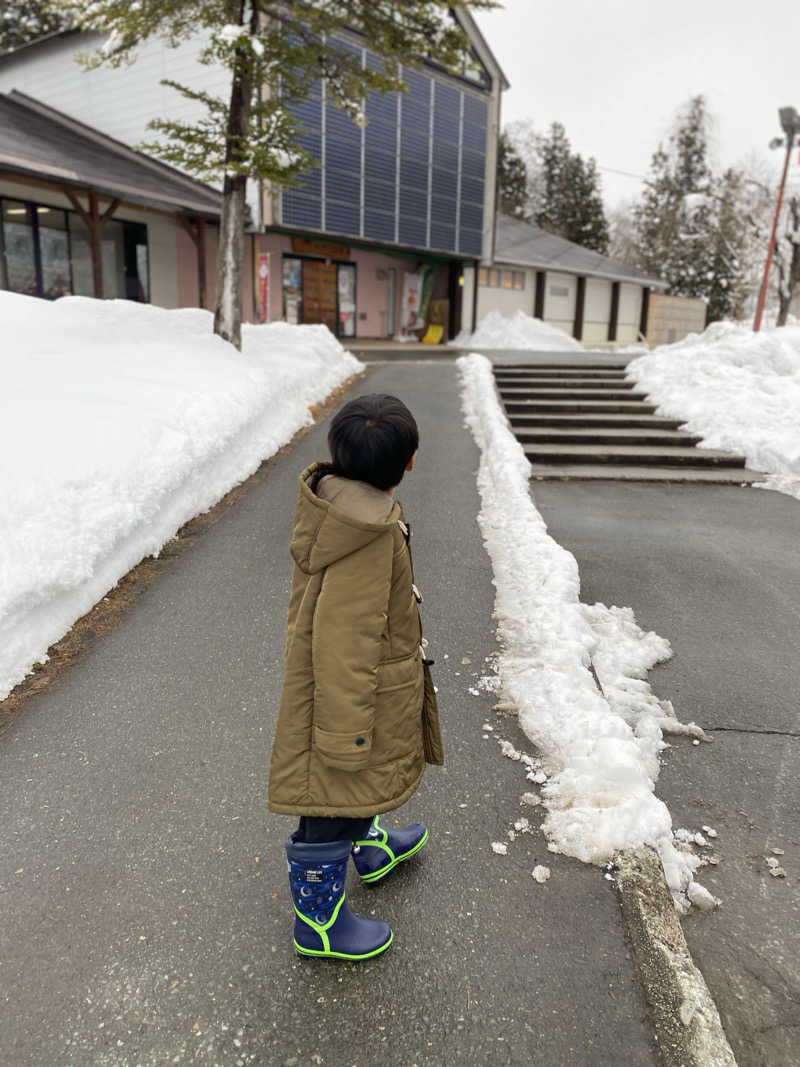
[521,244]
[39,142]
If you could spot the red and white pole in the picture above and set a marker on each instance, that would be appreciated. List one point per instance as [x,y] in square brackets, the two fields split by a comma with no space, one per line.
[762,293]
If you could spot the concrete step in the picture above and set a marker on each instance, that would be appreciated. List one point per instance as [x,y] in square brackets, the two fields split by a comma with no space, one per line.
[561,369]
[582,419]
[534,393]
[631,455]
[564,383]
[545,472]
[622,435]
[572,375]
[534,407]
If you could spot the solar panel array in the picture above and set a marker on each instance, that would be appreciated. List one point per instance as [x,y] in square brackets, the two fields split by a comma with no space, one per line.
[412,175]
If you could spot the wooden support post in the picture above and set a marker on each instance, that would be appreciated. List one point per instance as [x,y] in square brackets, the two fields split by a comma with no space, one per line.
[196,228]
[538,303]
[201,262]
[613,318]
[643,318]
[580,303]
[94,223]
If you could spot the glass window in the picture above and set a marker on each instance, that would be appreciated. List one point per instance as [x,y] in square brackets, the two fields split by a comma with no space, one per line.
[347,299]
[112,257]
[483,276]
[18,247]
[494,278]
[519,279]
[46,252]
[143,268]
[54,252]
[507,280]
[292,289]
[81,256]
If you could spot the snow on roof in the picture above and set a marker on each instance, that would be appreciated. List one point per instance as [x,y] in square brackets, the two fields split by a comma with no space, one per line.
[41,142]
[522,244]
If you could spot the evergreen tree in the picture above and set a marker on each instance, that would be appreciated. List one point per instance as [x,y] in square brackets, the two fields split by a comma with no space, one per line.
[556,156]
[585,222]
[572,205]
[689,225]
[275,50]
[787,260]
[23,21]
[512,180]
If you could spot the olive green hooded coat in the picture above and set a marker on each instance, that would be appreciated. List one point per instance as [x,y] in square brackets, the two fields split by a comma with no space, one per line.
[349,739]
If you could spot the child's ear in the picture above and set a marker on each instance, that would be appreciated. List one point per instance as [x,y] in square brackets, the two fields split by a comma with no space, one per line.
[410,464]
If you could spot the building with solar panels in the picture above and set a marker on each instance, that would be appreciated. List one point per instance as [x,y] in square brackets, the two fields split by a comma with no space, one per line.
[373,242]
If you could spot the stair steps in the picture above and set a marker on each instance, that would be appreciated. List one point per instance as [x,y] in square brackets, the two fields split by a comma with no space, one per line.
[587,421]
[519,392]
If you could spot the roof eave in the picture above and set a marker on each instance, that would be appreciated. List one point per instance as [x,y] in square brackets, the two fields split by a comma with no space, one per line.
[470,27]
[652,283]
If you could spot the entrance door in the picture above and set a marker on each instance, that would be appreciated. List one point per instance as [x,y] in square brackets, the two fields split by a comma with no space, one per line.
[319,293]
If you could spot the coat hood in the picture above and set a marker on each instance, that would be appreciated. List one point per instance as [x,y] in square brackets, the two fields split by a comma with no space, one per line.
[324,533]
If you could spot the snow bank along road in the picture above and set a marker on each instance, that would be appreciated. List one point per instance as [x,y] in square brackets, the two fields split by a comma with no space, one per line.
[740,391]
[141,871]
[143,419]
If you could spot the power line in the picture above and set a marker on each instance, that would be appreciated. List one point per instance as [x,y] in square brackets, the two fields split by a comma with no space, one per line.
[624,173]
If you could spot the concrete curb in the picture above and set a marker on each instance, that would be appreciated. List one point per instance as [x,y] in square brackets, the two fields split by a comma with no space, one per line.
[686,1021]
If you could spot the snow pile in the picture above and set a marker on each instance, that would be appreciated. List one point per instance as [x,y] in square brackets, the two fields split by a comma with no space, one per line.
[740,390]
[520,331]
[599,749]
[119,422]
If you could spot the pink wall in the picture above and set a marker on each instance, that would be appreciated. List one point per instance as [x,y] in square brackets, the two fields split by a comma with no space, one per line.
[371,289]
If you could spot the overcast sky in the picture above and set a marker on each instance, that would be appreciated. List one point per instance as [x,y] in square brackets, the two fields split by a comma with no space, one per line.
[614,73]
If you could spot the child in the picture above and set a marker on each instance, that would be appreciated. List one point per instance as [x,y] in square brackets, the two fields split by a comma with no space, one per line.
[358,719]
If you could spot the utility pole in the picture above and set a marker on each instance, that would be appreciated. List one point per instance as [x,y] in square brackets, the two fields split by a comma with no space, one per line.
[790,123]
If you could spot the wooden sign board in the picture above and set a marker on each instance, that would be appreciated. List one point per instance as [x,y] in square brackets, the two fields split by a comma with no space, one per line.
[327,249]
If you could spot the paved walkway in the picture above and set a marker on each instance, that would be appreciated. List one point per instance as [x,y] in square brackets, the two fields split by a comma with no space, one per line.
[145,905]
[716,570]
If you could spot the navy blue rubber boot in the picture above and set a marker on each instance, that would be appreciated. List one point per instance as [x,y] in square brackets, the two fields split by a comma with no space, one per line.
[324,925]
[382,849]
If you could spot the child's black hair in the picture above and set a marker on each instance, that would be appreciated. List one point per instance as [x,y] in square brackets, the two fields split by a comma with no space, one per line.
[372,438]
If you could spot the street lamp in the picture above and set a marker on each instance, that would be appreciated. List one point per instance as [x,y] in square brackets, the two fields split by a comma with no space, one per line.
[790,124]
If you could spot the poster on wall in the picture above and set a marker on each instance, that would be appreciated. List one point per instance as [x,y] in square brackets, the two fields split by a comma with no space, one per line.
[347,300]
[263,286]
[292,290]
[410,317]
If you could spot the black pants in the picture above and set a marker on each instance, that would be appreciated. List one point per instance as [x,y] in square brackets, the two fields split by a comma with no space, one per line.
[323,831]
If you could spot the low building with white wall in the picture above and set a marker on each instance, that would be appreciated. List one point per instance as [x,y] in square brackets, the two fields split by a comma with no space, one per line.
[599,300]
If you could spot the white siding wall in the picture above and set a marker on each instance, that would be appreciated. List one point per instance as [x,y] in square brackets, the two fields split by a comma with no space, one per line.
[596,310]
[630,309]
[118,102]
[162,237]
[507,301]
[561,291]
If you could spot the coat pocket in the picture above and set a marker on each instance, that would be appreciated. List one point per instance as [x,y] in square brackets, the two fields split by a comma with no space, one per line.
[344,751]
[431,734]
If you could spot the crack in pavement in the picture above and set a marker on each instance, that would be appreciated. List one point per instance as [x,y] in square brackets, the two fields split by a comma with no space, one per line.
[749,730]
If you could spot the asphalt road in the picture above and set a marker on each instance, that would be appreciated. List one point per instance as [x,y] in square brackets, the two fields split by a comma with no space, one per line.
[716,570]
[146,916]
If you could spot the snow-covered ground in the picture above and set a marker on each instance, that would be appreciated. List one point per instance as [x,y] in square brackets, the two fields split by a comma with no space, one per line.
[119,422]
[740,390]
[598,751]
[520,331]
